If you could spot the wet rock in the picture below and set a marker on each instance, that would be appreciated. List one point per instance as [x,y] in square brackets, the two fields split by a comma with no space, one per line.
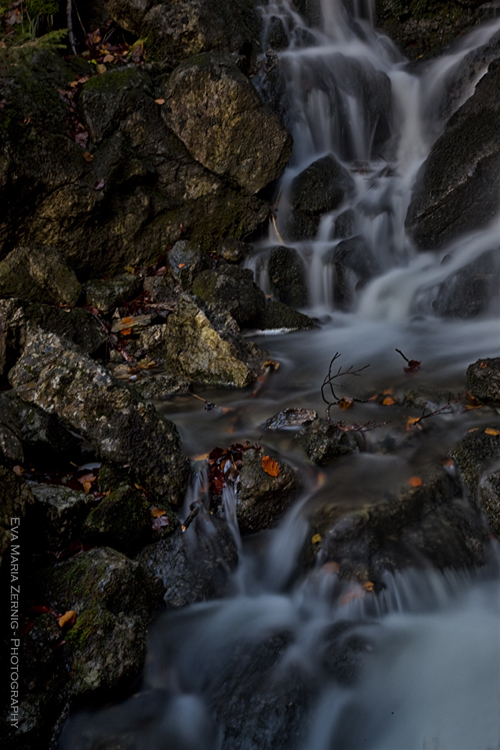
[422,29]
[53,375]
[113,598]
[263,498]
[354,266]
[122,520]
[277,37]
[489,499]
[38,274]
[161,289]
[59,513]
[185,28]
[483,379]
[12,333]
[318,189]
[76,325]
[286,275]
[232,250]
[468,292]
[216,112]
[344,225]
[186,260]
[430,523]
[452,197]
[141,192]
[29,435]
[473,455]
[290,418]
[194,566]
[202,345]
[160,386]
[106,294]
[17,500]
[233,289]
[324,441]
[279,317]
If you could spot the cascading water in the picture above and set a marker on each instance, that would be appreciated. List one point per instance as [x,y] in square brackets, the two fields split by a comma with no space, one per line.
[304,662]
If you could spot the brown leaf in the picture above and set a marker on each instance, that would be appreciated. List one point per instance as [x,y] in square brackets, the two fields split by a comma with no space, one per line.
[270,466]
[158,512]
[415,481]
[270,366]
[160,101]
[88,156]
[68,619]
[413,366]
[108,59]
[491,431]
[18,470]
[345,403]
[368,586]
[388,401]
[87,486]
[100,69]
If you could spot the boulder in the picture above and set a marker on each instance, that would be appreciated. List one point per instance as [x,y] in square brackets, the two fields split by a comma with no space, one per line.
[59,513]
[469,292]
[279,317]
[324,442]
[31,436]
[113,598]
[483,379]
[354,265]
[17,500]
[474,454]
[194,566]
[122,520]
[138,195]
[77,325]
[286,275]
[178,29]
[12,333]
[218,115]
[202,345]
[452,194]
[233,289]
[159,386]
[106,294]
[232,250]
[426,524]
[185,261]
[262,496]
[38,274]
[55,376]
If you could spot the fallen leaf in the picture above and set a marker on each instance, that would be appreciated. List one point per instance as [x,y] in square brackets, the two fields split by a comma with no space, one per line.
[316,539]
[270,466]
[415,481]
[368,585]
[448,462]
[413,366]
[270,366]
[181,265]
[158,512]
[491,431]
[99,184]
[201,457]
[126,321]
[18,470]
[388,401]
[87,486]
[126,331]
[160,522]
[160,101]
[411,421]
[88,156]
[474,429]
[483,365]
[100,68]
[108,59]
[129,269]
[345,403]
[68,619]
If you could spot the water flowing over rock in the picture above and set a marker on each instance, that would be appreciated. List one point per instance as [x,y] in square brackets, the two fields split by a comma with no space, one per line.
[450,197]
[216,112]
[59,379]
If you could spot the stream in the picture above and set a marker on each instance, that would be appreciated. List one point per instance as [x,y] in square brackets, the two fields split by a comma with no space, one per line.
[426,648]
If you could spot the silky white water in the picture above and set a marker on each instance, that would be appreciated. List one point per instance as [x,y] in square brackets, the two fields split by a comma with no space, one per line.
[427,673]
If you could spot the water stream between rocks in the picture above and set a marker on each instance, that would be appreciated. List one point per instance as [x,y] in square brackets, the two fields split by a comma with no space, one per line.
[422,656]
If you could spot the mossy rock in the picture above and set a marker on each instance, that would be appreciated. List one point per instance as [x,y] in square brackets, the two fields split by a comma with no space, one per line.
[287,276]
[278,316]
[483,379]
[324,442]
[121,520]
[38,274]
[234,289]
[106,294]
[474,454]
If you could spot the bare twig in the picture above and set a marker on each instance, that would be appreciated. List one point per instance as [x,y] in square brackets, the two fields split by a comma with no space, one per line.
[208,404]
[189,520]
[71,33]
[446,409]
[328,382]
[400,352]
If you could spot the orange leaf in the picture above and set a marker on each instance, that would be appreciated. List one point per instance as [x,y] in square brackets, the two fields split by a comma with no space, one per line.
[270,466]
[411,421]
[88,156]
[345,403]
[483,365]
[158,512]
[388,401]
[474,429]
[126,321]
[368,586]
[87,486]
[68,618]
[160,101]
[491,431]
[126,331]
[415,481]
[181,265]
[108,59]
[448,462]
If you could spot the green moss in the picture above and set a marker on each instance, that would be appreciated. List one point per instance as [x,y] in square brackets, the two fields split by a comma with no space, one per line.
[115,80]
[87,624]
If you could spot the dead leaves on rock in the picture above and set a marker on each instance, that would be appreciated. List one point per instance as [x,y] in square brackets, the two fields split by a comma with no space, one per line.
[225,465]
[270,466]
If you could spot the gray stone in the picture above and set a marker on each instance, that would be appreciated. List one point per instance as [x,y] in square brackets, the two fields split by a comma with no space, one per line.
[59,513]
[290,418]
[278,316]
[483,379]
[122,520]
[186,260]
[324,442]
[233,289]
[38,274]
[106,294]
[17,500]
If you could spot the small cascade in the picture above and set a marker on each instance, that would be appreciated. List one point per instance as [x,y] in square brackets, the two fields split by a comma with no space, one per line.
[347,94]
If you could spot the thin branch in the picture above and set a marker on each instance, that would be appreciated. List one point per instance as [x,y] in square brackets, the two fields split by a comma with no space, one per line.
[71,33]
[446,409]
[329,382]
